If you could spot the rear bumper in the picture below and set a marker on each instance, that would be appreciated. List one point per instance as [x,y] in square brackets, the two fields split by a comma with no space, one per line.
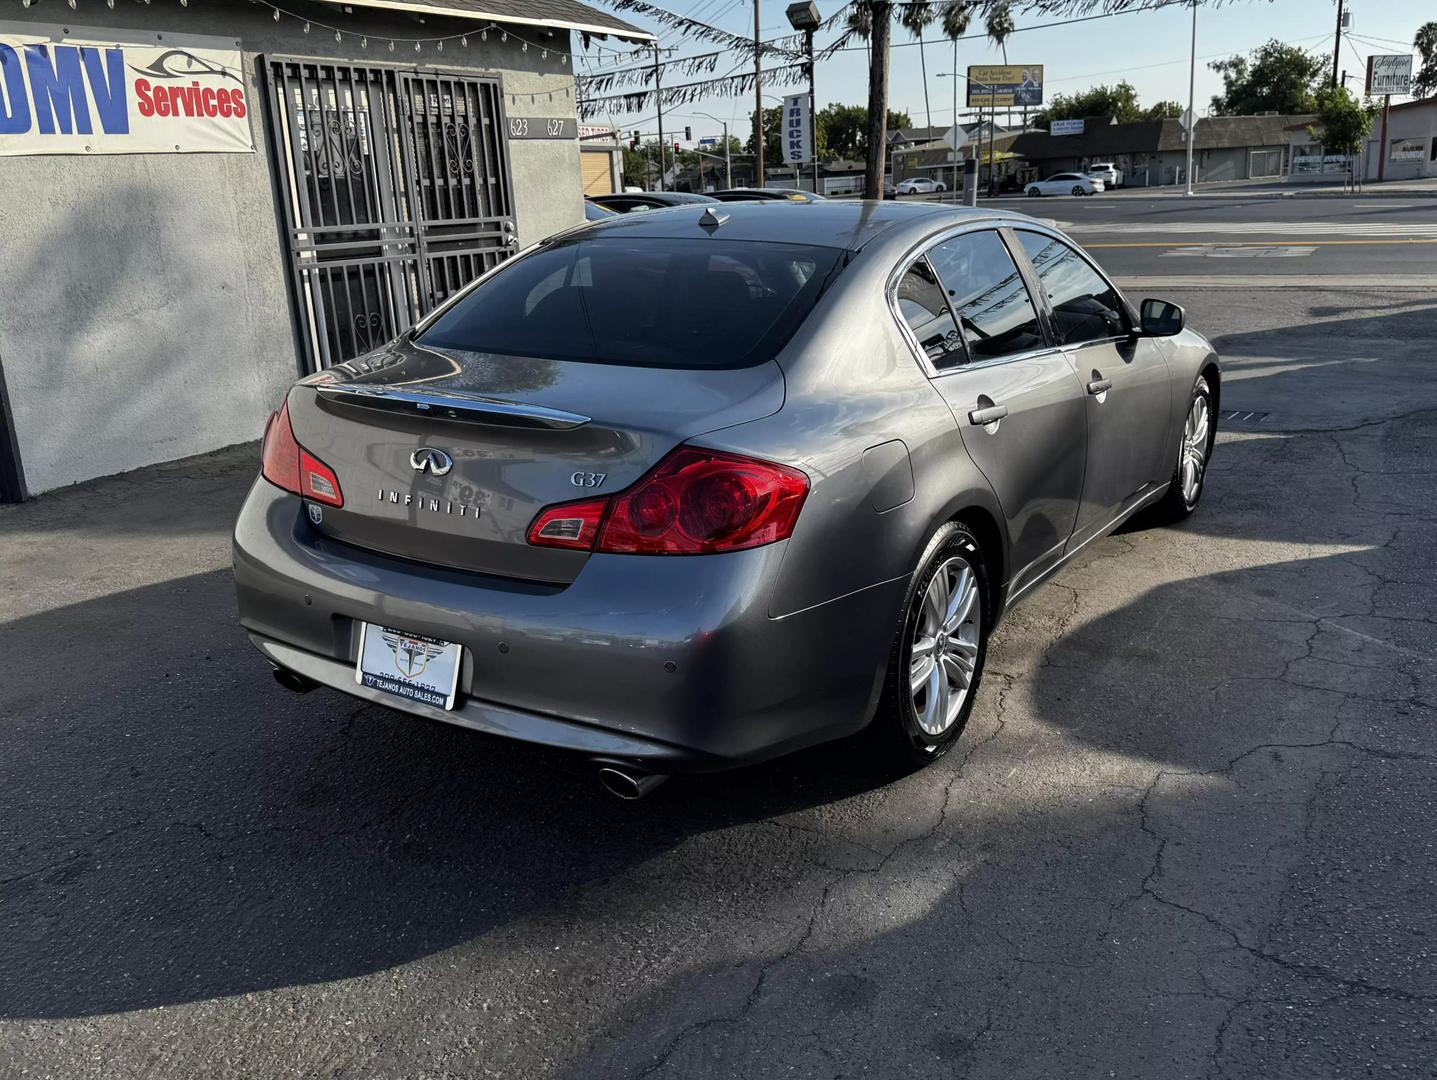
[673,662]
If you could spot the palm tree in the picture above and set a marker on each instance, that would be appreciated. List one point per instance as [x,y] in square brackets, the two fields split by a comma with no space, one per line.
[917,17]
[999,22]
[957,14]
[1425,42]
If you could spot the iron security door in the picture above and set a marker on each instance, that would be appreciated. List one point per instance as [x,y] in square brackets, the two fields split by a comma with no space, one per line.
[396,193]
[460,167]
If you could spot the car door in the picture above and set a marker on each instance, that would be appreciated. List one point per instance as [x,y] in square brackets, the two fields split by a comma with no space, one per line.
[1016,399]
[1125,378]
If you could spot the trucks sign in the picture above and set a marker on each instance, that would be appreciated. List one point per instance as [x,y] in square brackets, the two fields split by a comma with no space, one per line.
[1017,85]
[70,91]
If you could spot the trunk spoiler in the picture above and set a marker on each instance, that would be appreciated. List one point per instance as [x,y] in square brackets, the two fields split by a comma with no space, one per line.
[451,406]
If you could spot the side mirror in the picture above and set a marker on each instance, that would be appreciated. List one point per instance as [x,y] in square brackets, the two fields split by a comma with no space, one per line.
[1161,319]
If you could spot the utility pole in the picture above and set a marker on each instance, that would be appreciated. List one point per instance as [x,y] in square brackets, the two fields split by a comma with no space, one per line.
[957,184]
[757,101]
[812,109]
[1192,99]
[659,101]
[1337,43]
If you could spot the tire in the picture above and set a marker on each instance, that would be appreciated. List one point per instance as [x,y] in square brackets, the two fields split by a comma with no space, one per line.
[1034,193]
[940,189]
[1183,495]
[909,728]
[1077,190]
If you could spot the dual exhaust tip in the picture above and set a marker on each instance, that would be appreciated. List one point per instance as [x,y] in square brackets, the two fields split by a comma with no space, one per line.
[618,778]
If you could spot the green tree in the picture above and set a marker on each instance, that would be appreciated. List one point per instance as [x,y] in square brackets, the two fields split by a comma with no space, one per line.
[843,129]
[1120,102]
[772,136]
[1273,78]
[1163,110]
[1425,43]
[1343,122]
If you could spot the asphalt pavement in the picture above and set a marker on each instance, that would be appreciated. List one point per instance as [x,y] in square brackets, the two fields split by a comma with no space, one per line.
[1191,830]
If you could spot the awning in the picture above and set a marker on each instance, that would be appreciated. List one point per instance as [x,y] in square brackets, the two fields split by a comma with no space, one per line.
[558,14]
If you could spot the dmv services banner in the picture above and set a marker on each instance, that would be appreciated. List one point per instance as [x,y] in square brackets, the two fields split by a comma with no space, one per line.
[80,91]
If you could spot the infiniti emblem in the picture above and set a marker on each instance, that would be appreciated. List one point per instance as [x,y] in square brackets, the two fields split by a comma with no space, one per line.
[427,459]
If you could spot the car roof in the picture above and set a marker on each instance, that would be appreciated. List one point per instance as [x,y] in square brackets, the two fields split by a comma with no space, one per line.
[673,198]
[847,223]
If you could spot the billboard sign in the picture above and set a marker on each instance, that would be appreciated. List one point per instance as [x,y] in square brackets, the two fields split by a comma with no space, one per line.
[1065,127]
[1389,74]
[1016,85]
[796,131]
[73,91]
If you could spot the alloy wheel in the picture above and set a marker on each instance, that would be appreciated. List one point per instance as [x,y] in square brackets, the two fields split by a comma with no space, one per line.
[944,650]
[1195,440]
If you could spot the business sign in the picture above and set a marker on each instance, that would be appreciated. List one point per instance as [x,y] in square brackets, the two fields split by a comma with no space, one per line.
[795,130]
[1389,74]
[74,91]
[1407,150]
[1065,127]
[1018,85]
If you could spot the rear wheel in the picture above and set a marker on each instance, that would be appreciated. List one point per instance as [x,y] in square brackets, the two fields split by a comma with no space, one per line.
[938,651]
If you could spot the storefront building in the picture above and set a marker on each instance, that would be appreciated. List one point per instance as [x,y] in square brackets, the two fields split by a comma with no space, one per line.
[204,201]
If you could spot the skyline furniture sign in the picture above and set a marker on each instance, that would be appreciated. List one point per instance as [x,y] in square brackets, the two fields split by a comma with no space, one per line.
[1390,74]
[79,91]
[1016,85]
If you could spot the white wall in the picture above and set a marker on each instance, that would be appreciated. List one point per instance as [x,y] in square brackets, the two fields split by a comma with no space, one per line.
[144,303]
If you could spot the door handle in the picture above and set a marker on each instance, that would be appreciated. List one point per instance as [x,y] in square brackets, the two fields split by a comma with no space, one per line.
[1100,386]
[991,415]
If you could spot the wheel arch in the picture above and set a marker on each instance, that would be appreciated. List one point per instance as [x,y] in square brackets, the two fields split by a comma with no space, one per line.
[991,544]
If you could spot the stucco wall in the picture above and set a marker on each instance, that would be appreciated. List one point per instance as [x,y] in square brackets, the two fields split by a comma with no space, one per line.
[144,311]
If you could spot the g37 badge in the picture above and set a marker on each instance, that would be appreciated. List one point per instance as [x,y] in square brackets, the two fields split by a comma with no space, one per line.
[587,479]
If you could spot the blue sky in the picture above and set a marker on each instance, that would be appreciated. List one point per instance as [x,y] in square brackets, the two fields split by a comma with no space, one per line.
[1149,48]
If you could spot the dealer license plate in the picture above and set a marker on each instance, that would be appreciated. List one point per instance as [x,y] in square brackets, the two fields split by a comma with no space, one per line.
[408,665]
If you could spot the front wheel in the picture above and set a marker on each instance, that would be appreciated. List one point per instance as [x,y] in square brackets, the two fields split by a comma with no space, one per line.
[1033,193]
[1077,190]
[1194,451]
[940,189]
[938,651]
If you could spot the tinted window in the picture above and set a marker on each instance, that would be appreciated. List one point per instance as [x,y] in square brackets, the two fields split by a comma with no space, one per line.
[924,307]
[988,294]
[651,302]
[1085,307]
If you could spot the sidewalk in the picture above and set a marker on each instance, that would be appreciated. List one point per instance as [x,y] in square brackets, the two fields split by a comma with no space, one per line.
[1425,188]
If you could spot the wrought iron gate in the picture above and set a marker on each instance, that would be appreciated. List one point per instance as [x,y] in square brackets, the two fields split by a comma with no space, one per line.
[397,194]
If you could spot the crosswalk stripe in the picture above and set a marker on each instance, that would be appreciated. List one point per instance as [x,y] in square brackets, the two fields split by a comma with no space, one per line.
[1266,228]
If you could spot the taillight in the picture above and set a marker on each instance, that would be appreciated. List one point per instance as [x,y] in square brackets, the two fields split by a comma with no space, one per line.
[693,502]
[287,465]
[569,525]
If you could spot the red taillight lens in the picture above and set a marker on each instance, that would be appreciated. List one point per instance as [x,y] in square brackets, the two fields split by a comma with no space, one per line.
[569,525]
[693,502]
[287,465]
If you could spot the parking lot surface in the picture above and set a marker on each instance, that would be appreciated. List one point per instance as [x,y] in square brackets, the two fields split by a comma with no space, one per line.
[1191,830]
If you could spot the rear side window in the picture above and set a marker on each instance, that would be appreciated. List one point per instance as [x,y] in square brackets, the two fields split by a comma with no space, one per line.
[1085,307]
[994,310]
[924,307]
[647,302]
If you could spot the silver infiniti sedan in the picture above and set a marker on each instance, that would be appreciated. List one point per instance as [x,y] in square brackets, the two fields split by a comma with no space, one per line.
[692,488]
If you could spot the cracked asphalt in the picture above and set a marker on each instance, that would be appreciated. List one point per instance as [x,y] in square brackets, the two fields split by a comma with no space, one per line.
[1191,830]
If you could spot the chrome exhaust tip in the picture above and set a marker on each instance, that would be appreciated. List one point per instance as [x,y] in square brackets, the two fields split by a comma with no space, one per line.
[627,782]
[294,681]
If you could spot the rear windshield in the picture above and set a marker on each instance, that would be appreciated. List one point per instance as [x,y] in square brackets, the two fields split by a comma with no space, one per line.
[668,303]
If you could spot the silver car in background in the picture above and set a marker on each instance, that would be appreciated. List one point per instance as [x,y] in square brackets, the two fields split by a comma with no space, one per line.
[696,487]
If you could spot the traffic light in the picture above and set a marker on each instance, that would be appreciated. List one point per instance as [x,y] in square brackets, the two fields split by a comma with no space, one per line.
[677,148]
[688,134]
[634,141]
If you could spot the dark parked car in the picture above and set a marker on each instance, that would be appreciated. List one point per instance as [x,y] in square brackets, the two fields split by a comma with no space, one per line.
[797,195]
[628,201]
[594,212]
[696,488]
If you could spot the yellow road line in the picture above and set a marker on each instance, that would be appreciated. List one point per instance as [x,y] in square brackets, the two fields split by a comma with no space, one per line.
[1258,243]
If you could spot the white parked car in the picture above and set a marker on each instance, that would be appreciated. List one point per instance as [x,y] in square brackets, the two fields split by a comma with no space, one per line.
[1107,172]
[1065,183]
[920,185]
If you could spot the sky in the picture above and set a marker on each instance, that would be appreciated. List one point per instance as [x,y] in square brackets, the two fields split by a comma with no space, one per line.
[1148,48]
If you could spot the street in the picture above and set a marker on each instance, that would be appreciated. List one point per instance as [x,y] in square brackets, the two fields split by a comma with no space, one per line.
[1190,831]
